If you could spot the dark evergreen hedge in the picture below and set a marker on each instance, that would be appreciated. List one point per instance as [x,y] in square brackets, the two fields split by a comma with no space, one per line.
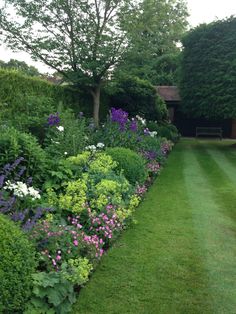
[208,74]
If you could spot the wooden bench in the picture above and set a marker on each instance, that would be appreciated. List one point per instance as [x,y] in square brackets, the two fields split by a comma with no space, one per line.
[209,131]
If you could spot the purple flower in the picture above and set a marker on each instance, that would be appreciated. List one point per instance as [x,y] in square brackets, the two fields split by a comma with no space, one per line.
[149,155]
[146,131]
[119,116]
[134,125]
[53,119]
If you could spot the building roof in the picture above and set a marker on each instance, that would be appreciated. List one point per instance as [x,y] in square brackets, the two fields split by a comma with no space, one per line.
[169,93]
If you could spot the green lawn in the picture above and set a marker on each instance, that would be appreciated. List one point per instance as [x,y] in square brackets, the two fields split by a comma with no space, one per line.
[181,255]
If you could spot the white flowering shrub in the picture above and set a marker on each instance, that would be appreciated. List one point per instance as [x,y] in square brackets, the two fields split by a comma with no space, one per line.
[20,189]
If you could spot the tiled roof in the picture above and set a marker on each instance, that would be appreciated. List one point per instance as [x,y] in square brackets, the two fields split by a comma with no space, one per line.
[169,93]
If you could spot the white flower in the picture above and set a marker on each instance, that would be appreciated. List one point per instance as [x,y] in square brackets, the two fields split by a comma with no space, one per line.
[20,189]
[34,193]
[142,120]
[100,145]
[54,141]
[153,134]
[91,147]
[60,128]
[65,153]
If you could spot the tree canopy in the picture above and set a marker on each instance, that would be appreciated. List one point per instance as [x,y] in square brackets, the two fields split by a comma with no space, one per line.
[20,66]
[208,70]
[155,31]
[82,40]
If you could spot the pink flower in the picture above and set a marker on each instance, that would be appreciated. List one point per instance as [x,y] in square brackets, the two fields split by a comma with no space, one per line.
[75,242]
[58,258]
[54,262]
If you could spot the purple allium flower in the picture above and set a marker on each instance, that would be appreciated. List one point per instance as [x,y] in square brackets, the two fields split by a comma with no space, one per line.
[53,119]
[119,116]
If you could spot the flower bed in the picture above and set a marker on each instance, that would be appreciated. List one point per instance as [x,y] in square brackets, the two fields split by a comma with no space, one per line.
[84,202]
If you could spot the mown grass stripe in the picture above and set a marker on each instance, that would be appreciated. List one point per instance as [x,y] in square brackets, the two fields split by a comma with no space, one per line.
[213,192]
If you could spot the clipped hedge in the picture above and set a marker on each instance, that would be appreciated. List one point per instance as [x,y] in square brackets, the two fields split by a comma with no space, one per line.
[17,264]
[25,101]
[131,162]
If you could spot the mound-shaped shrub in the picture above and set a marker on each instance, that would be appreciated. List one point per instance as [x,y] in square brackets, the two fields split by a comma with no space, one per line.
[132,164]
[17,264]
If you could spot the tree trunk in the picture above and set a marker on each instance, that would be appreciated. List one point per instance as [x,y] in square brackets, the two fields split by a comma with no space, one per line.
[233,132]
[96,104]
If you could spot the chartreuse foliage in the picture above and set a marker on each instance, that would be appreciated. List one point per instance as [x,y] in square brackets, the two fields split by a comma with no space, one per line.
[97,185]
[208,74]
[17,263]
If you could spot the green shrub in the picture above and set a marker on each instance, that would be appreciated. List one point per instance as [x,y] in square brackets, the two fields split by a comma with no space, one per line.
[14,144]
[167,130]
[17,264]
[137,97]
[132,164]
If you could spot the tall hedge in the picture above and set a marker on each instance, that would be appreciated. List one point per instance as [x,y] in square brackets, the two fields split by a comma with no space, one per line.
[24,96]
[14,86]
[208,71]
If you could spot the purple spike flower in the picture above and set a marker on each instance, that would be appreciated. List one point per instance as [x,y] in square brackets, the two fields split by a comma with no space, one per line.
[53,119]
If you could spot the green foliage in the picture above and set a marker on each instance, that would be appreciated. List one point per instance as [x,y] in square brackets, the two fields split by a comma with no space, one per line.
[208,74]
[112,136]
[69,142]
[14,144]
[17,263]
[30,114]
[137,96]
[154,29]
[129,161]
[52,294]
[165,70]
[59,172]
[167,130]
[20,66]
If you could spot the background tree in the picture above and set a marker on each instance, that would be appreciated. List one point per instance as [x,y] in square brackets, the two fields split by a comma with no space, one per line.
[154,31]
[137,97]
[208,71]
[82,40]
[21,66]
